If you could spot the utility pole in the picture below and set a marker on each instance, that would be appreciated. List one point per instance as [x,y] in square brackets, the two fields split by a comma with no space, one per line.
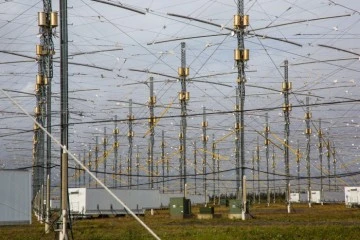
[321,163]
[105,155]
[241,55]
[258,168]
[308,116]
[152,120]
[267,142]
[205,138]
[286,87]
[130,139]
[184,97]
[83,171]
[116,145]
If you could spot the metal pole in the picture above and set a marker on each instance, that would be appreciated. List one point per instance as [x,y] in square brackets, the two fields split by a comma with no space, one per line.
[328,154]
[258,169]
[267,141]
[152,102]
[273,167]
[163,160]
[298,157]
[96,158]
[321,163]
[184,96]
[286,87]
[204,125]
[116,152]
[90,166]
[334,166]
[213,166]
[253,176]
[130,139]
[137,166]
[195,167]
[64,196]
[308,134]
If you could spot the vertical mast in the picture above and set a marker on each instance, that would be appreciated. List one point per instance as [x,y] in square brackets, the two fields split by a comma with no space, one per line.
[152,102]
[184,97]
[116,149]
[204,125]
[308,134]
[267,142]
[130,139]
[321,162]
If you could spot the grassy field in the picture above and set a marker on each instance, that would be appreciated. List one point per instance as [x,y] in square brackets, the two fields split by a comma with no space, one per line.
[319,222]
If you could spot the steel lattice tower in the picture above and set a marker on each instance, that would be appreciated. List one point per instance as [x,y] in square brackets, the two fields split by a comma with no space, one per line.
[321,162]
[205,138]
[267,142]
[184,97]
[116,145]
[130,139]
[286,87]
[152,102]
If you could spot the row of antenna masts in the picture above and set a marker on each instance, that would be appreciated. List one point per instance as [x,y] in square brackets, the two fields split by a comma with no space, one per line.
[48,21]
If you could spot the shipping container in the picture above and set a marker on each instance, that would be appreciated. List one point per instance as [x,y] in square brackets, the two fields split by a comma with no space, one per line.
[295,197]
[15,197]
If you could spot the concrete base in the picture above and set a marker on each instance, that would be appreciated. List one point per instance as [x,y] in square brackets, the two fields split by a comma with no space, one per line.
[235,216]
[205,216]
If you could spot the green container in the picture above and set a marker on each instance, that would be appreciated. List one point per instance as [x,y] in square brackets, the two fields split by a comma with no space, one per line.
[206,210]
[234,206]
[224,202]
[180,207]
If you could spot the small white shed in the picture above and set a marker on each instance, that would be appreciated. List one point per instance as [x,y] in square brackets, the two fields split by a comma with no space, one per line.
[352,196]
[295,197]
[15,197]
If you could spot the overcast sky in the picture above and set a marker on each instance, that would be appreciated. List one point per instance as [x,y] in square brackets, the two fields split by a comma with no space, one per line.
[102,91]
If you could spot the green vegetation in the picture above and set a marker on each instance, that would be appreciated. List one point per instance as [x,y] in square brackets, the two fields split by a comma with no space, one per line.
[319,222]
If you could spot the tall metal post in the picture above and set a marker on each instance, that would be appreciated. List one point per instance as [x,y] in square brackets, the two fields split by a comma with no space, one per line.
[273,168]
[214,166]
[90,166]
[218,174]
[152,102]
[334,166]
[286,87]
[105,155]
[195,167]
[163,160]
[298,157]
[321,163]
[116,145]
[130,139]
[253,176]
[184,97]
[308,135]
[267,142]
[205,138]
[47,21]
[96,158]
[241,55]
[328,154]
[64,106]
[258,169]
[83,171]
[137,166]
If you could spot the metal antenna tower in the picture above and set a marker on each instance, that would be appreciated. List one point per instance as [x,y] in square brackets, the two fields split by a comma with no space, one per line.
[195,166]
[258,168]
[47,21]
[205,138]
[214,166]
[267,142]
[334,166]
[253,176]
[89,165]
[96,158]
[298,157]
[308,134]
[83,171]
[286,87]
[241,55]
[328,154]
[321,163]
[130,139]
[64,110]
[105,154]
[116,145]
[137,166]
[184,97]
[152,102]
[163,159]
[273,167]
